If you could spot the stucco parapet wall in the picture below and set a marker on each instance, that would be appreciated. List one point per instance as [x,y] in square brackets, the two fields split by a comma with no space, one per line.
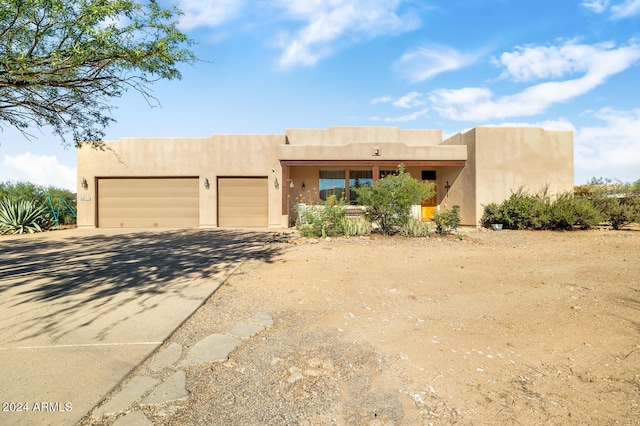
[363,134]
[360,151]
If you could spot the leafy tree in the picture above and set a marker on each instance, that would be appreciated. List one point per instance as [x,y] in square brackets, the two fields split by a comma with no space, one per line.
[390,199]
[63,61]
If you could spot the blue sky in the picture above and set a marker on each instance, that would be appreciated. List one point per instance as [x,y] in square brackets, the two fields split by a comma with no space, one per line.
[446,64]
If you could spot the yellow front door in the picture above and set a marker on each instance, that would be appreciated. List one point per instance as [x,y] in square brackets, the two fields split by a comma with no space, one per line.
[430,206]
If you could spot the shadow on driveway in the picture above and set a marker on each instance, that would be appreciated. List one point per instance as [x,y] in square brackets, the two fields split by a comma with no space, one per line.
[47,283]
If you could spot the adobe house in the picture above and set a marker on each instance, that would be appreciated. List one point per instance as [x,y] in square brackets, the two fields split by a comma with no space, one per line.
[258,180]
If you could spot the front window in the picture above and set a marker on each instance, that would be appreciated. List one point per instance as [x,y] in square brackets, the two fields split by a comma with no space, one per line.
[358,178]
[332,182]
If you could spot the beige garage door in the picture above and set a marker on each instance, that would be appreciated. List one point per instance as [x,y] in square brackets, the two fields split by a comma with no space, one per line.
[242,202]
[148,203]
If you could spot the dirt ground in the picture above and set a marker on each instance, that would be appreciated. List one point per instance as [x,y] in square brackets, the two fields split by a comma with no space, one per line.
[503,327]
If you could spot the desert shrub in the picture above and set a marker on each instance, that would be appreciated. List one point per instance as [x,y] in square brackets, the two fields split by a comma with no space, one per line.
[388,202]
[447,221]
[525,211]
[324,220]
[356,226]
[568,211]
[22,216]
[415,228]
[38,193]
[617,204]
[491,214]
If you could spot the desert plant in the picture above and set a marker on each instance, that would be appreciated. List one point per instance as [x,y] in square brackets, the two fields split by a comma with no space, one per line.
[568,211]
[447,221]
[388,202]
[325,220]
[618,204]
[525,211]
[22,216]
[415,228]
[19,190]
[356,227]
[491,214]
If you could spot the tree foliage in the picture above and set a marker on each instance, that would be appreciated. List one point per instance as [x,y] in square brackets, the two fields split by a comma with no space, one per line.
[63,61]
[390,199]
[27,191]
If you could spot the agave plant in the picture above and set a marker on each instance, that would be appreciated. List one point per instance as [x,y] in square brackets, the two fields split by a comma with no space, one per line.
[22,216]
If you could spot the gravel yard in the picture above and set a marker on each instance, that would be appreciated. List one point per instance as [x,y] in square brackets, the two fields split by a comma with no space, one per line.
[504,327]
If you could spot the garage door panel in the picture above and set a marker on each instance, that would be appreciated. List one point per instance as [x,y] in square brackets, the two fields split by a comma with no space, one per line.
[243,202]
[148,202]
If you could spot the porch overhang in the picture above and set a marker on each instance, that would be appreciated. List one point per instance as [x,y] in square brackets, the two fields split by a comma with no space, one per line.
[374,164]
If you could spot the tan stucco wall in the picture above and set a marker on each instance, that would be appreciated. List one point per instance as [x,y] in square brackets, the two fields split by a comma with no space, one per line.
[210,158]
[498,161]
[363,134]
[502,159]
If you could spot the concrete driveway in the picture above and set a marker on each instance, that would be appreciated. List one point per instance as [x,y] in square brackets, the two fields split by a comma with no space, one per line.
[79,309]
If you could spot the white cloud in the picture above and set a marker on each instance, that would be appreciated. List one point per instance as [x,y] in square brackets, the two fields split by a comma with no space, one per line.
[541,62]
[625,10]
[611,150]
[39,169]
[409,100]
[595,6]
[478,104]
[559,124]
[408,117]
[208,13]
[424,63]
[332,24]
[381,100]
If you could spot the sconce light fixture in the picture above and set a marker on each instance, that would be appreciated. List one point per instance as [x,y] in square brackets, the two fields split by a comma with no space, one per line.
[206,183]
[291,185]
[276,184]
[447,187]
[84,184]
[303,186]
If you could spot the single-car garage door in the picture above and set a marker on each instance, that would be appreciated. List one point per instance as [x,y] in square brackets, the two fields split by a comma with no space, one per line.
[148,203]
[242,202]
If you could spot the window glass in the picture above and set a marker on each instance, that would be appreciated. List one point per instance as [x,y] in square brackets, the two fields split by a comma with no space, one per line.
[384,173]
[332,182]
[428,175]
[358,178]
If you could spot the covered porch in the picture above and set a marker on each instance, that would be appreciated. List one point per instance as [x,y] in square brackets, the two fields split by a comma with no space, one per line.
[313,181]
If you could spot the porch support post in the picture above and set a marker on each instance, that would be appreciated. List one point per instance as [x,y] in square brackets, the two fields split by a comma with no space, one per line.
[376,173]
[285,189]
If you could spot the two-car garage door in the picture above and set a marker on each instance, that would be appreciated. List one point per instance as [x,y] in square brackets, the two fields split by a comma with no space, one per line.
[148,203]
[175,203]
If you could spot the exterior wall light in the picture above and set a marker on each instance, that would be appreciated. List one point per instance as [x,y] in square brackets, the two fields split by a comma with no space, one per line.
[303,186]
[206,183]
[291,185]
[84,184]
[447,187]
[276,184]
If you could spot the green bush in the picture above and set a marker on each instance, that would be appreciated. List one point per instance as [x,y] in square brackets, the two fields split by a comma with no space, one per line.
[22,216]
[617,204]
[39,194]
[568,211]
[356,227]
[388,202]
[447,221]
[325,220]
[416,228]
[525,211]
[491,214]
